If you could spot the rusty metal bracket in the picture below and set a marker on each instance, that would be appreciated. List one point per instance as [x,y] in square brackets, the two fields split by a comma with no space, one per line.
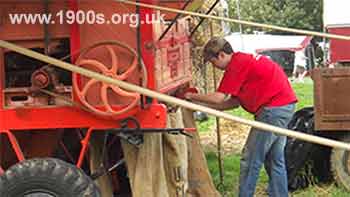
[102,170]
[138,130]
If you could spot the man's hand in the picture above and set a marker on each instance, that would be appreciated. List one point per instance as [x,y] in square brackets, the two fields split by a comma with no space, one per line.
[184,93]
[189,95]
[215,100]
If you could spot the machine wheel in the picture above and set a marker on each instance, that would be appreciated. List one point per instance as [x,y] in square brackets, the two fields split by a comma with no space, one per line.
[108,64]
[46,177]
[340,165]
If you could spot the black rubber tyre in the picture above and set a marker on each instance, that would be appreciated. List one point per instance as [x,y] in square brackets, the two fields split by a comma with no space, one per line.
[340,165]
[46,177]
[298,152]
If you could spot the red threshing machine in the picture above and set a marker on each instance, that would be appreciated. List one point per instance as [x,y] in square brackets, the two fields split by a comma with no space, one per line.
[49,112]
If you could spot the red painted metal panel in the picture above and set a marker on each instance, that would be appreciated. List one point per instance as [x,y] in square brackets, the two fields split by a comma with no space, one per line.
[35,31]
[340,49]
[2,80]
[71,117]
[172,4]
[74,33]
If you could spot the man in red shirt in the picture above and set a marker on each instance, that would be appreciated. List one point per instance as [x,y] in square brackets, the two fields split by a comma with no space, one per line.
[261,87]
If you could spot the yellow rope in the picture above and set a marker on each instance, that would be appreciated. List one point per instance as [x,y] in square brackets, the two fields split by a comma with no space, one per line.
[286,29]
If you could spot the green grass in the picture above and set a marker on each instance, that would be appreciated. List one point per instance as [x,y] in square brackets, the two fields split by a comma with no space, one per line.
[229,188]
[305,93]
[322,190]
[231,174]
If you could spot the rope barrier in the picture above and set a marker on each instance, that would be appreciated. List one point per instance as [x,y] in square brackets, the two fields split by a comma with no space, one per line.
[275,27]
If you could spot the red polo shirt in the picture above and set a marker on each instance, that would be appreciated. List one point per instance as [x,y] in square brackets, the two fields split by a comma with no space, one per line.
[256,81]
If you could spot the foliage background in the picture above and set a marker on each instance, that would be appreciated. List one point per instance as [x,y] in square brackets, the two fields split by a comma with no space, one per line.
[300,14]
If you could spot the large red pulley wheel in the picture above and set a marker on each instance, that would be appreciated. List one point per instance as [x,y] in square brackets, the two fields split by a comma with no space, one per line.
[116,60]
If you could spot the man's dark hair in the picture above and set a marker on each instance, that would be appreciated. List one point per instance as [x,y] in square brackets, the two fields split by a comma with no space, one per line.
[227,48]
[215,46]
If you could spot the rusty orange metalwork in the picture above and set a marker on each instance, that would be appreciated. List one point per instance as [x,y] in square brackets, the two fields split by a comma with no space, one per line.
[28,116]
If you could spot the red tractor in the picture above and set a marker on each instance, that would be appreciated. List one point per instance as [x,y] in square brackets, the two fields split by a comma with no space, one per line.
[52,115]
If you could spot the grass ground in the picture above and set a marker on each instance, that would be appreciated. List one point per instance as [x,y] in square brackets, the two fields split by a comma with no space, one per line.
[229,188]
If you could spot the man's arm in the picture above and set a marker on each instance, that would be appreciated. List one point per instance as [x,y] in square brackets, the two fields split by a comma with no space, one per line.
[214,100]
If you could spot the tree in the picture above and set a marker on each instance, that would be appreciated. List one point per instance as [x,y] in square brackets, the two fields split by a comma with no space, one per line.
[300,14]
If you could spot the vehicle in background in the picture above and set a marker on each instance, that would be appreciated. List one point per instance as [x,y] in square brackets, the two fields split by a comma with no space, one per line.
[280,48]
[330,116]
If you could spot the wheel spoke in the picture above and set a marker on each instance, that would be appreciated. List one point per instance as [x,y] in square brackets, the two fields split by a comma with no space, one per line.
[104,97]
[114,57]
[129,71]
[87,86]
[135,96]
[94,63]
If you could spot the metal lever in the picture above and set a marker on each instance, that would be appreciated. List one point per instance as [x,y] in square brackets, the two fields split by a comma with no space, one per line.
[133,131]
[102,170]
[129,133]
[133,138]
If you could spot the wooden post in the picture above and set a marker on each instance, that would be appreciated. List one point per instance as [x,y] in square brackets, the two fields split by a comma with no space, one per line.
[217,123]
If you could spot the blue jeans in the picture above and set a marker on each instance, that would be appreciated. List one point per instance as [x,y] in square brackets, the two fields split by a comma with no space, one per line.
[266,148]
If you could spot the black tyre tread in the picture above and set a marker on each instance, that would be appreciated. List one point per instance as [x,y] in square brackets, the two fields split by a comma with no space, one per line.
[341,177]
[72,180]
[297,152]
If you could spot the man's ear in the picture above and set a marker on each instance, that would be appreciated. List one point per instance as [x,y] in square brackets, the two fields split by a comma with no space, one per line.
[221,55]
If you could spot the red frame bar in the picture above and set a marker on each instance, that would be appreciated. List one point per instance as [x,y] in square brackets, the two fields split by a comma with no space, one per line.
[84,144]
[14,143]
[2,78]
[74,33]
[147,38]
[153,116]
[1,171]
